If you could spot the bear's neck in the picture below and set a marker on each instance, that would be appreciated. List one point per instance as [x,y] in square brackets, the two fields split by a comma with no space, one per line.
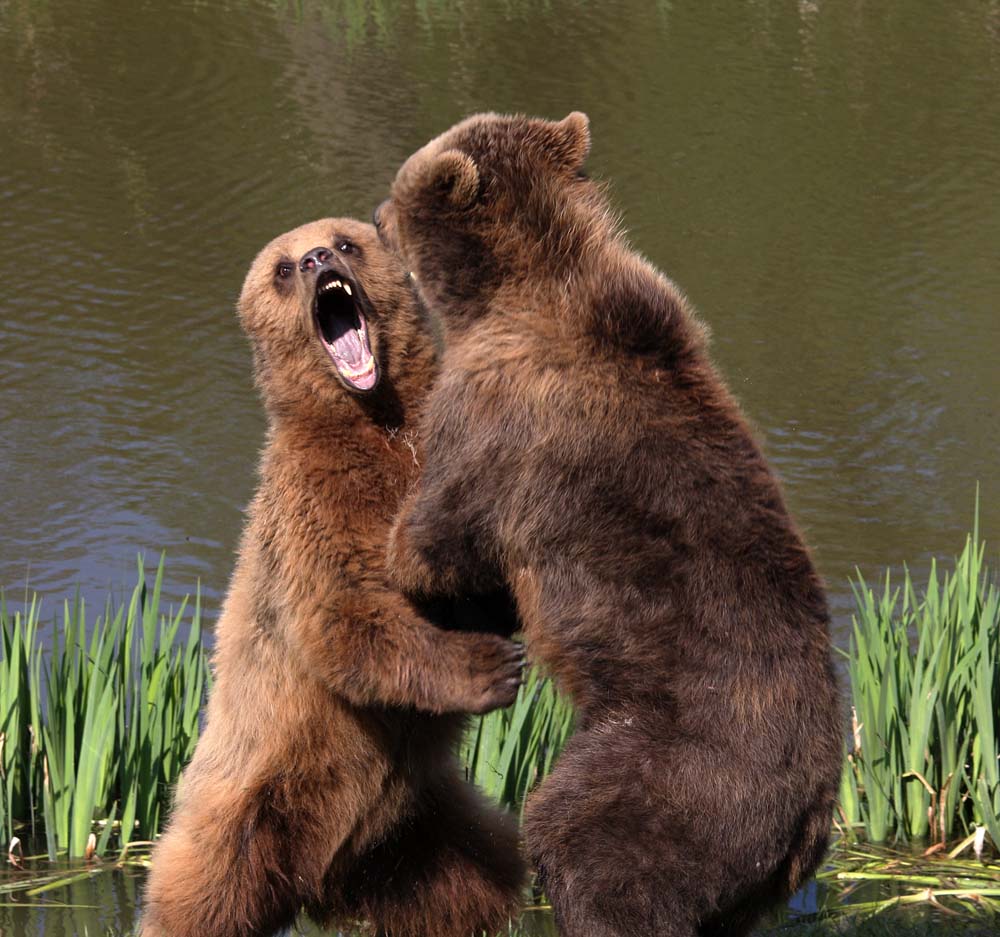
[370,454]
[325,429]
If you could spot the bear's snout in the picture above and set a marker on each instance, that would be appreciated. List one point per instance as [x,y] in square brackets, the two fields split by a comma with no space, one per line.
[314,259]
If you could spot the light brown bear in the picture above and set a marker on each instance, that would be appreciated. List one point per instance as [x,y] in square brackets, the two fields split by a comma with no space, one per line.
[326,778]
[582,450]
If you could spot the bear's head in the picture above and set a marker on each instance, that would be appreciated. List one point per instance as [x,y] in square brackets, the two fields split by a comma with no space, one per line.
[330,314]
[494,198]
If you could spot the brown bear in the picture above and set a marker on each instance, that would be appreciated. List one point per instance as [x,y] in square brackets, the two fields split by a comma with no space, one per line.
[582,450]
[326,777]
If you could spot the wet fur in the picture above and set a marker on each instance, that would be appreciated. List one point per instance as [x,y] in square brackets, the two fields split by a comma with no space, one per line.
[583,451]
[326,777]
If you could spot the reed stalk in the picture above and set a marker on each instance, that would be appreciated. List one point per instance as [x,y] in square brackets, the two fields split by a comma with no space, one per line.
[96,727]
[925,689]
[97,719]
[508,750]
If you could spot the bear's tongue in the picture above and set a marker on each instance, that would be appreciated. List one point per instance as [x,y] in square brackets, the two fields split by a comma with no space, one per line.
[344,333]
[348,348]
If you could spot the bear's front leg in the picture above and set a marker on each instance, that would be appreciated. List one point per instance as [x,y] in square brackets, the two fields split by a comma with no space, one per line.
[435,549]
[376,648]
[408,565]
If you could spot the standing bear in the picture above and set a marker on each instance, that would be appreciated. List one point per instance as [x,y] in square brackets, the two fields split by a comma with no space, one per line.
[582,450]
[326,778]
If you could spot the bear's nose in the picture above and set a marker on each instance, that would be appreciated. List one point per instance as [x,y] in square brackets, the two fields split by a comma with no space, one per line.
[315,258]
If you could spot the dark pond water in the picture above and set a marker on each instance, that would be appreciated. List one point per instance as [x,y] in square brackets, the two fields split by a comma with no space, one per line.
[821,178]
[102,900]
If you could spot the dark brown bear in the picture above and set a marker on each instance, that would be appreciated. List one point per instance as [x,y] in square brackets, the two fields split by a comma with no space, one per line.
[326,778]
[582,450]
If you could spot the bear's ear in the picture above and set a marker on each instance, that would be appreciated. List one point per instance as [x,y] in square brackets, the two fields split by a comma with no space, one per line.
[571,140]
[455,177]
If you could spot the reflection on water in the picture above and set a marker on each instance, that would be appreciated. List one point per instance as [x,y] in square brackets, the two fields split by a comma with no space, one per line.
[819,177]
[105,900]
[96,903]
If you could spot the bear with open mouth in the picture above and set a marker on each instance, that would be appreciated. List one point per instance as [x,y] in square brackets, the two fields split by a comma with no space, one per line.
[582,450]
[326,778]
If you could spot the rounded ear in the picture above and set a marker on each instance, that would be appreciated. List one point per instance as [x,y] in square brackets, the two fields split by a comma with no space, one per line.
[572,139]
[456,178]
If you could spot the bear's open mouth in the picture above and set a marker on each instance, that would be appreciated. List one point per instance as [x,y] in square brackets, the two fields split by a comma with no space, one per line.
[343,330]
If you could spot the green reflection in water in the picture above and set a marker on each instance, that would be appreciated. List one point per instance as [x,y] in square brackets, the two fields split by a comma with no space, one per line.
[103,899]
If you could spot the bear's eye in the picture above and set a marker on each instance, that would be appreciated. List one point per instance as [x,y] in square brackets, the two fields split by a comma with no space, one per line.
[285,270]
[346,247]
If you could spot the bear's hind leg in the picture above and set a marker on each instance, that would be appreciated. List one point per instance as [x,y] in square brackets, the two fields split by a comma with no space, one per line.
[736,922]
[452,869]
[808,848]
[613,854]
[233,863]
[204,880]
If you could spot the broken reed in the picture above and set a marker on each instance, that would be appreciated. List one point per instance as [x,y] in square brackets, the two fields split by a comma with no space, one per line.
[925,691]
[861,880]
[94,730]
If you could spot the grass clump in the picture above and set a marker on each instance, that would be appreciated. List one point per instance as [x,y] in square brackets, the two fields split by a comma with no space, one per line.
[95,729]
[506,752]
[925,690]
[97,719]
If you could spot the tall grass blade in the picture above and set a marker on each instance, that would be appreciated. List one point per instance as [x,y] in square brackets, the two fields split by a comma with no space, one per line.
[925,686]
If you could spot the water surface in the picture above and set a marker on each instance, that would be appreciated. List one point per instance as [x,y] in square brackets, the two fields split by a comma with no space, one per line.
[820,178]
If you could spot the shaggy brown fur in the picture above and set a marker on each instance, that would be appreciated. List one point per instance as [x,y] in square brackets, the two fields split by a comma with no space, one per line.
[326,777]
[582,450]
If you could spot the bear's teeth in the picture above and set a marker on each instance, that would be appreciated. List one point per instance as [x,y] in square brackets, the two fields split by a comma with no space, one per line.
[347,289]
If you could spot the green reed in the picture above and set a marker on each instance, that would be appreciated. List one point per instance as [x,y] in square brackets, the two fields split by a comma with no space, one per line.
[96,718]
[925,689]
[507,751]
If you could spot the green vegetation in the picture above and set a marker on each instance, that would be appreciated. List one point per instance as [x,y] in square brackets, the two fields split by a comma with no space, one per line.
[889,925]
[508,750]
[94,733]
[925,690]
